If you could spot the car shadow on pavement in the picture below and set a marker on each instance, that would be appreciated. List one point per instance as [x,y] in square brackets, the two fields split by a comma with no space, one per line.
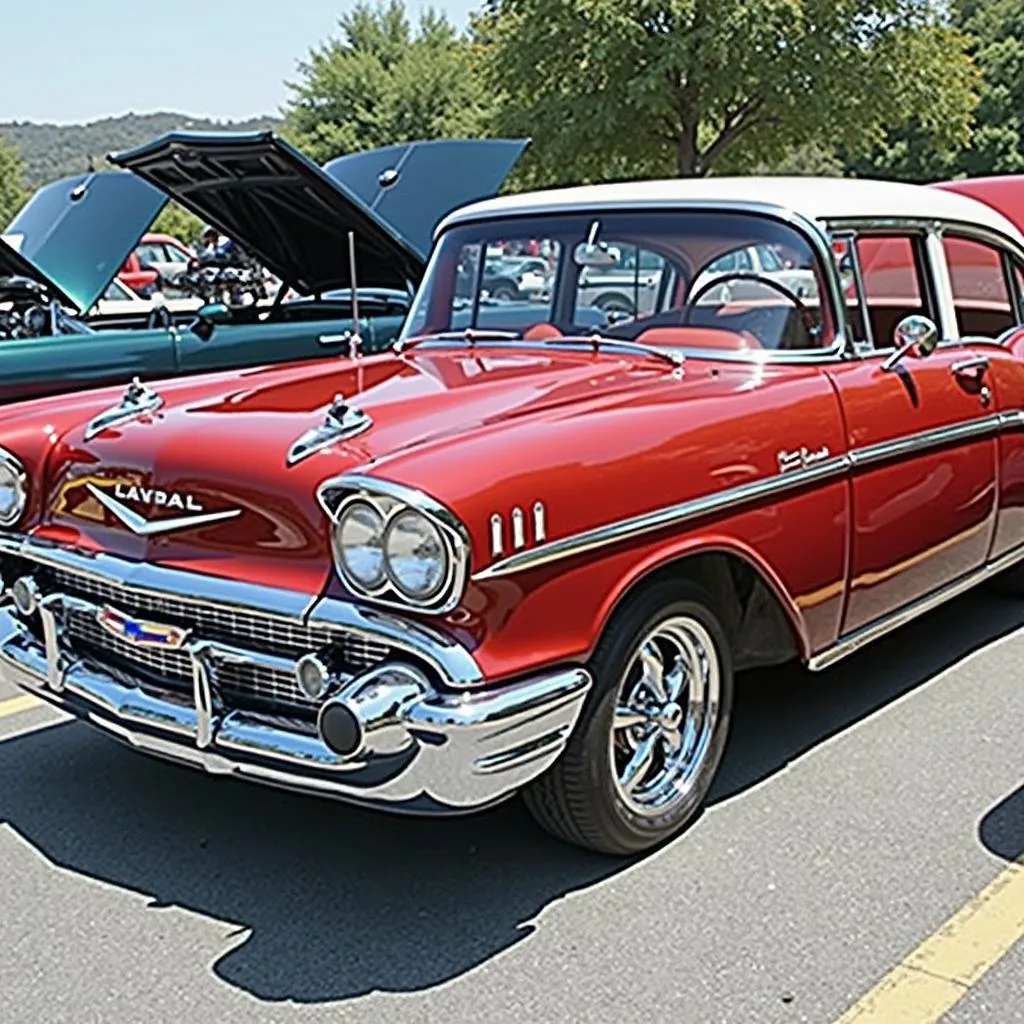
[1002,829]
[780,714]
[333,902]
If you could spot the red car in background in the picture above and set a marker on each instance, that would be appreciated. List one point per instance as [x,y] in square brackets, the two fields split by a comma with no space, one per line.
[156,258]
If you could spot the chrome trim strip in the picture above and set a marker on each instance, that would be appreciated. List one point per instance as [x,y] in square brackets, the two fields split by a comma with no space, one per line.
[454,665]
[673,515]
[852,642]
[676,515]
[924,441]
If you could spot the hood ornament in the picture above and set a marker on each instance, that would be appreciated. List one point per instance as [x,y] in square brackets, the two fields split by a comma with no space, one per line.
[340,423]
[137,400]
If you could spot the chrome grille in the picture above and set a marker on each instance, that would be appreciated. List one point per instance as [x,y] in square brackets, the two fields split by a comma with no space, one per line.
[239,685]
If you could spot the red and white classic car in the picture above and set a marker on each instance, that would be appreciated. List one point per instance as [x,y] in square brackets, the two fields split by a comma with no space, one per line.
[523,554]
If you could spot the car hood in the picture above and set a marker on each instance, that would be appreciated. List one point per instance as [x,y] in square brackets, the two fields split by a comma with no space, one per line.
[74,235]
[294,216]
[221,449]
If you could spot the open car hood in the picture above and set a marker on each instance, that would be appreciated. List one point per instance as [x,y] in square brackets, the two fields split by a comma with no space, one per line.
[74,235]
[294,217]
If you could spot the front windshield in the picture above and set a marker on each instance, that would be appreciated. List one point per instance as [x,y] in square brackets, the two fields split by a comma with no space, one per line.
[686,278]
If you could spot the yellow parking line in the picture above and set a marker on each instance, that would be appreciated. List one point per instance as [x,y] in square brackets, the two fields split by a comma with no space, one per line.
[15,705]
[939,973]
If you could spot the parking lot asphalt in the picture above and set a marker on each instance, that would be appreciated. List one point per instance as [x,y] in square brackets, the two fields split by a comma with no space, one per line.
[857,815]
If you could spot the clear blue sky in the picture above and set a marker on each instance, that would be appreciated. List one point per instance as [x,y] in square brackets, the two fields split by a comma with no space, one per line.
[69,60]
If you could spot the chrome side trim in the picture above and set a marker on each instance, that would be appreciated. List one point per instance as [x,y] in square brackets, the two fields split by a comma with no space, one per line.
[925,440]
[452,662]
[852,642]
[673,515]
[734,497]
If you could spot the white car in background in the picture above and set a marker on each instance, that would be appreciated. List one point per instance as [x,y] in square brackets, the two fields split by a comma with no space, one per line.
[120,301]
[758,261]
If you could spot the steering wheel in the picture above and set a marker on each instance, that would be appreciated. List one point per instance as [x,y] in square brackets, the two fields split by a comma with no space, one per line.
[806,316]
[159,316]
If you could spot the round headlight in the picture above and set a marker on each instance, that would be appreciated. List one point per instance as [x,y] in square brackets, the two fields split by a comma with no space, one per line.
[417,558]
[13,491]
[359,545]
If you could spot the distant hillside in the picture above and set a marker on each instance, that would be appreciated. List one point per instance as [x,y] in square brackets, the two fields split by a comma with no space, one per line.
[53,151]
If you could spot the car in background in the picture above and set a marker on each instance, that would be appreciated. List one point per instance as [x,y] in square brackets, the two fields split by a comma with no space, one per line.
[158,261]
[61,253]
[119,305]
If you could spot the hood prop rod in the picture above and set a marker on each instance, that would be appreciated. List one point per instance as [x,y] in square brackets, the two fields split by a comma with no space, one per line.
[355,343]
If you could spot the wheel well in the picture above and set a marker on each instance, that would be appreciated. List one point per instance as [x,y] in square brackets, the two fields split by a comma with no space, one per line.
[759,630]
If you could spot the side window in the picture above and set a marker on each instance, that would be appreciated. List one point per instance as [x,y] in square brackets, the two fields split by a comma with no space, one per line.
[981,291]
[894,285]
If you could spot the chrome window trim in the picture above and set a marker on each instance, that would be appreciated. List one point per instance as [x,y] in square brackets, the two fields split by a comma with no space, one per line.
[745,494]
[932,228]
[814,232]
[21,482]
[337,493]
[454,665]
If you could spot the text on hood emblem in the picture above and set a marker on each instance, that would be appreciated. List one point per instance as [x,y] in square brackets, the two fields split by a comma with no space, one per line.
[157,499]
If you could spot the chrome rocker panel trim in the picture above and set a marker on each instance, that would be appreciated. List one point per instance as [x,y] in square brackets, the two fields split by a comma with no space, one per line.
[420,752]
[853,642]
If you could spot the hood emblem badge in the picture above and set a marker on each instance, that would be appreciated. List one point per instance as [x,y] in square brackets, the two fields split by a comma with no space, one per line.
[340,423]
[137,400]
[157,499]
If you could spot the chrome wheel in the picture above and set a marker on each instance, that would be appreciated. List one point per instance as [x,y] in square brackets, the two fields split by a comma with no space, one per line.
[665,715]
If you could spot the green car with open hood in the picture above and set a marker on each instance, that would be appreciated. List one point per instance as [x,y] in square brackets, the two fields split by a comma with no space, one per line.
[61,252]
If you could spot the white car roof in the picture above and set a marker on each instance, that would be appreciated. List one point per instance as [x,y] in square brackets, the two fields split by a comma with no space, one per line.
[819,199]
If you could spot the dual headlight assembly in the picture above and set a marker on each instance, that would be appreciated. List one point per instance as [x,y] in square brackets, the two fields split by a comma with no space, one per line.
[13,489]
[388,549]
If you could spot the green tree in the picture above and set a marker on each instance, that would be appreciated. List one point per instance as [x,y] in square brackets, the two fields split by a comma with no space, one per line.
[997,28]
[382,83]
[12,183]
[176,221]
[612,88]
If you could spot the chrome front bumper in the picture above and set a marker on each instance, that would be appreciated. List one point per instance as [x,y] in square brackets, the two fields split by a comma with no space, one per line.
[408,744]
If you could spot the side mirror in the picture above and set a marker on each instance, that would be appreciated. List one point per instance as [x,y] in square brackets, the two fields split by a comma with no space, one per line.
[208,317]
[915,336]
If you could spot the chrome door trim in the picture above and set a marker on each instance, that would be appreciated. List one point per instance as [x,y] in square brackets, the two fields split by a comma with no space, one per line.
[745,494]
[852,642]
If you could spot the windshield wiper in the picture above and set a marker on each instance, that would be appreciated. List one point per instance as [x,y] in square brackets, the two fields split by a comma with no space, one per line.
[596,340]
[470,336]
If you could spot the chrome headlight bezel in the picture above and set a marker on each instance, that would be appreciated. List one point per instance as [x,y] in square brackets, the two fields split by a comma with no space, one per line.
[19,481]
[391,501]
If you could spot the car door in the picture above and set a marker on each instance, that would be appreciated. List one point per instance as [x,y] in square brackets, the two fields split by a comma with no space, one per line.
[33,367]
[921,434]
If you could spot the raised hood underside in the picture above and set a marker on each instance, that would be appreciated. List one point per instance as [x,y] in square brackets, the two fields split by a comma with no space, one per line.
[74,235]
[295,217]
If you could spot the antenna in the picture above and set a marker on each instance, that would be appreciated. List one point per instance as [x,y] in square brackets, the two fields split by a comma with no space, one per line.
[355,342]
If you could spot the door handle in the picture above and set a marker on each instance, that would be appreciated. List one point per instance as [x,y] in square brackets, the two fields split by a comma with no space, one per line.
[335,339]
[974,367]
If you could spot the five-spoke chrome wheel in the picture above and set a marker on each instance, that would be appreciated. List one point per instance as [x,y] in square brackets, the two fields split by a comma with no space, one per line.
[665,715]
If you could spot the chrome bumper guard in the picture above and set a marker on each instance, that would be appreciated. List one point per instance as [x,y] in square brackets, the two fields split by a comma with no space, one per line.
[386,737]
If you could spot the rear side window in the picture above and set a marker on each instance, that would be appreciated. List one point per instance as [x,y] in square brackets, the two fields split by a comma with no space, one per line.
[893,285]
[981,288]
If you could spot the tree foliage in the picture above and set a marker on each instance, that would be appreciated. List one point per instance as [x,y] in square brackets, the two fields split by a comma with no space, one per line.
[382,82]
[177,221]
[12,183]
[613,88]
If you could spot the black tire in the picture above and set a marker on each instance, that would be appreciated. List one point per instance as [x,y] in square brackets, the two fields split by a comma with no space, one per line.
[579,798]
[612,302]
[503,291]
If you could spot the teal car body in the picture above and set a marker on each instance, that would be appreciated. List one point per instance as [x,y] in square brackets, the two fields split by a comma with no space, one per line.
[61,252]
